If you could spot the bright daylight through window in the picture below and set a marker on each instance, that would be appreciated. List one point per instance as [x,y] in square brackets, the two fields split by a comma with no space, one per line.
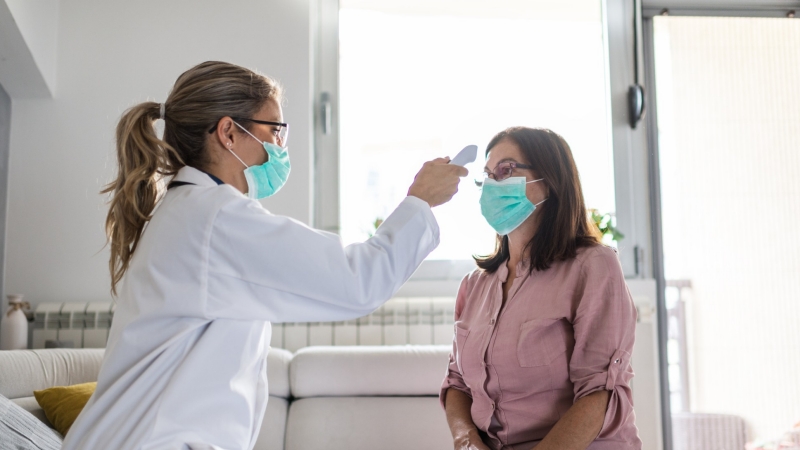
[422,79]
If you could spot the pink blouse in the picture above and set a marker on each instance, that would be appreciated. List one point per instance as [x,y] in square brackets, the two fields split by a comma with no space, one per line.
[564,333]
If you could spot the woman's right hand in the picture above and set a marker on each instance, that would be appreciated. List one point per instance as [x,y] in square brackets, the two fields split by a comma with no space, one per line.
[437,181]
[469,441]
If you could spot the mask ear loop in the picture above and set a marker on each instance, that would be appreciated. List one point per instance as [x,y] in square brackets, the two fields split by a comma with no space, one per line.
[534,181]
[251,134]
[237,157]
[231,150]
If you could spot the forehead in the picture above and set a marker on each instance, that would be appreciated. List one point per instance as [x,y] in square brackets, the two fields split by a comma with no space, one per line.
[271,111]
[505,150]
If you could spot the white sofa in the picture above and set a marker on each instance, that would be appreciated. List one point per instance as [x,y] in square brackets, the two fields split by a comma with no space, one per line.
[320,397]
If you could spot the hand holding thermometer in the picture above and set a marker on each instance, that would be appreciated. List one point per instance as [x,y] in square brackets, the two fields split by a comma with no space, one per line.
[465,156]
[435,183]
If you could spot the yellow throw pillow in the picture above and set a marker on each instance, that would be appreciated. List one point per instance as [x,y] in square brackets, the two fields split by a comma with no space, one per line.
[62,404]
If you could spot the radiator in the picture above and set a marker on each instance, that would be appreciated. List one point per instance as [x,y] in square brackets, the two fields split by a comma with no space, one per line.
[418,320]
[84,324]
[694,431]
[400,321]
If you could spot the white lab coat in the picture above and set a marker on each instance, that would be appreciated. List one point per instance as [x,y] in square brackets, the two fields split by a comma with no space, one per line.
[185,364]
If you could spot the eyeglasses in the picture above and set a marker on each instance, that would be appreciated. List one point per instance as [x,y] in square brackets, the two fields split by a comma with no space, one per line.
[280,130]
[502,172]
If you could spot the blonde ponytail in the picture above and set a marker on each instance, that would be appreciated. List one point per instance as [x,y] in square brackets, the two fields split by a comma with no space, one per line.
[143,160]
[201,96]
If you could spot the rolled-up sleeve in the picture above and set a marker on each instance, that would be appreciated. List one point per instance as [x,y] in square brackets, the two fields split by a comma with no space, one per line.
[453,378]
[604,326]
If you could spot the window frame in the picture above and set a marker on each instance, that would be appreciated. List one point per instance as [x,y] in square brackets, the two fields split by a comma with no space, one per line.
[325,204]
[325,109]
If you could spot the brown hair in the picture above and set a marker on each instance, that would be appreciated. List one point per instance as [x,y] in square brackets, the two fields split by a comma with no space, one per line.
[200,98]
[564,224]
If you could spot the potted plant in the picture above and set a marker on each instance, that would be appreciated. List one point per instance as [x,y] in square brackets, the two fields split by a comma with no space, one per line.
[606,224]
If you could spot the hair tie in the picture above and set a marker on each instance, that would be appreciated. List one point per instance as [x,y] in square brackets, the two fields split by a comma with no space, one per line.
[161,109]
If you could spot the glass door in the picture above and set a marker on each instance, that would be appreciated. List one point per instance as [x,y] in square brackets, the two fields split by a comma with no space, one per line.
[728,114]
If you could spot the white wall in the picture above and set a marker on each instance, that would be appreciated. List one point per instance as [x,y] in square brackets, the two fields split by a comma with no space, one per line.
[28,30]
[112,55]
[5,132]
[38,23]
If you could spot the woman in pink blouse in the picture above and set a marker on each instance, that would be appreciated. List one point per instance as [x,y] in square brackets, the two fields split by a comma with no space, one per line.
[545,327]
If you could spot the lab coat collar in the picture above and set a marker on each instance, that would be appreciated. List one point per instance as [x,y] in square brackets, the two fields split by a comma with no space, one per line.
[189,174]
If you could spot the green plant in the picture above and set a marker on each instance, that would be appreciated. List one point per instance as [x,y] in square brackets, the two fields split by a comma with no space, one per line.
[605,224]
[375,225]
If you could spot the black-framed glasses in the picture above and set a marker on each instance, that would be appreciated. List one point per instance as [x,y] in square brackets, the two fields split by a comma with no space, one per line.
[502,171]
[281,130]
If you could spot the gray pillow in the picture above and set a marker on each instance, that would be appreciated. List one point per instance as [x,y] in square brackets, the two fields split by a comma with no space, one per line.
[20,430]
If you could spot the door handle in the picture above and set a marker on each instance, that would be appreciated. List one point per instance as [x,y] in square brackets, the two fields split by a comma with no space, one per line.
[327,113]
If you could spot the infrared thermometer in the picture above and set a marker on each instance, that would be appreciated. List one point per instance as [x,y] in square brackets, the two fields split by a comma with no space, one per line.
[465,156]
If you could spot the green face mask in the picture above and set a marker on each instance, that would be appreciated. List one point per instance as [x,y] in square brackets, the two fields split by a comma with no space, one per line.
[504,203]
[266,179]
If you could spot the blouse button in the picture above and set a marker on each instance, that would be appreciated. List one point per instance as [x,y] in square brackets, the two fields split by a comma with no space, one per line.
[491,322]
[616,361]
[492,406]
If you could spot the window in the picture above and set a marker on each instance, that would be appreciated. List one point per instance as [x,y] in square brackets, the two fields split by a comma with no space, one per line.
[423,79]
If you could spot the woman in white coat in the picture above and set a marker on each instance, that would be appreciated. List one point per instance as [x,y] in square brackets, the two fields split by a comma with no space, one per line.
[200,271]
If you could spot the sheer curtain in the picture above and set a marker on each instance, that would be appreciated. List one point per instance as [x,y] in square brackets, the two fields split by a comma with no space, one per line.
[729,136]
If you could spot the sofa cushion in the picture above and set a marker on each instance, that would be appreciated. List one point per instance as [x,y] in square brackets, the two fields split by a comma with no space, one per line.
[32,406]
[21,431]
[62,404]
[278,361]
[25,371]
[367,423]
[368,370]
[273,427]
